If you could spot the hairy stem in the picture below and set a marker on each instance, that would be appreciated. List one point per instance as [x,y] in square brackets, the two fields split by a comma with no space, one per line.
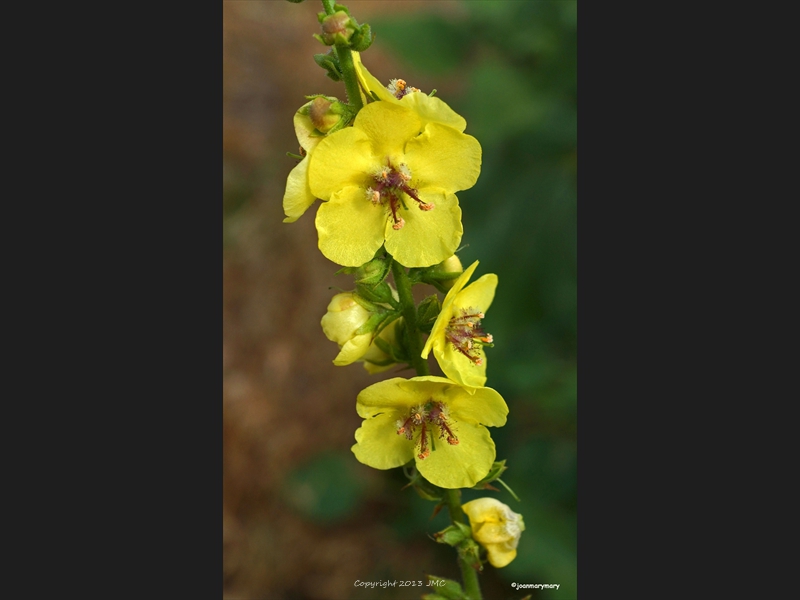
[470,576]
[346,65]
[403,284]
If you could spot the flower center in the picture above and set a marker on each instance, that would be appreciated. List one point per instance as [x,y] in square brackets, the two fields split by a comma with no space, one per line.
[465,333]
[391,184]
[399,88]
[422,424]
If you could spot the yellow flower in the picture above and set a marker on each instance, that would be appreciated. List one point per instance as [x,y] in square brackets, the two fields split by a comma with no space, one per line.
[390,180]
[298,197]
[434,421]
[456,337]
[429,109]
[495,527]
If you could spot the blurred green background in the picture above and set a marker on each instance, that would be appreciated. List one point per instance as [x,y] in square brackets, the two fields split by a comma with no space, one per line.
[302,518]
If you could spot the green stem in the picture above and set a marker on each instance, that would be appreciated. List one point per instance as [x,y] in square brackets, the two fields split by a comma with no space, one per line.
[470,576]
[346,65]
[403,284]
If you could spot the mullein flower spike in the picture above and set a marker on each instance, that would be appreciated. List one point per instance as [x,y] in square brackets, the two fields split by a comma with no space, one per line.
[433,421]
[495,527]
[457,338]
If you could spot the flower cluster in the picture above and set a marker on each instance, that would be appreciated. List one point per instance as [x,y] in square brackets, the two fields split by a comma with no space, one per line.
[386,167]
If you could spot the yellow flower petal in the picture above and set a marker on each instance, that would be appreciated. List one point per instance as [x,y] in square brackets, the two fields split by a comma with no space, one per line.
[379,446]
[298,197]
[350,228]
[498,556]
[433,110]
[304,130]
[444,157]
[483,405]
[353,349]
[456,366]
[388,395]
[478,294]
[428,237]
[340,160]
[369,82]
[388,126]
[464,464]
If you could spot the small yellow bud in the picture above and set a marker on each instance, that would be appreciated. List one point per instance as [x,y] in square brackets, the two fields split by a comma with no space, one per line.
[340,323]
[495,527]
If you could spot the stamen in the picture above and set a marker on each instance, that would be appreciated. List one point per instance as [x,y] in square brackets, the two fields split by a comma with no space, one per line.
[431,418]
[399,225]
[465,333]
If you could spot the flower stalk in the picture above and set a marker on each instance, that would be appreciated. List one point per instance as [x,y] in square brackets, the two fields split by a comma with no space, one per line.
[403,284]
[348,69]
[452,499]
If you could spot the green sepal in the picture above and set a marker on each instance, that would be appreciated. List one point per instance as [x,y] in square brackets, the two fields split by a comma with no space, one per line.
[374,322]
[376,293]
[447,588]
[372,273]
[453,535]
[329,62]
[424,488]
[342,8]
[470,552]
[498,467]
[427,311]
[366,304]
[362,38]
[397,354]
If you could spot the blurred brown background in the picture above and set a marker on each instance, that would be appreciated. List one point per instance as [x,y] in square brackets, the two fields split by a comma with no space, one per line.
[302,519]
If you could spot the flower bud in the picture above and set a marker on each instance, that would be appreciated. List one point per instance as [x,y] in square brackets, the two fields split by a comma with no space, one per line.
[453,535]
[495,527]
[337,27]
[443,275]
[345,316]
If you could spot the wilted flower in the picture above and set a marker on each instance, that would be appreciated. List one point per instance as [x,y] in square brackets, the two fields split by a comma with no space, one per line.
[495,527]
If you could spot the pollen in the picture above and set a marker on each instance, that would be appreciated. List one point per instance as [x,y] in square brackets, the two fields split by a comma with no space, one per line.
[399,225]
[404,172]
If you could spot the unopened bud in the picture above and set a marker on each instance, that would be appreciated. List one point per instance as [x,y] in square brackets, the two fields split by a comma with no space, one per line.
[336,28]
